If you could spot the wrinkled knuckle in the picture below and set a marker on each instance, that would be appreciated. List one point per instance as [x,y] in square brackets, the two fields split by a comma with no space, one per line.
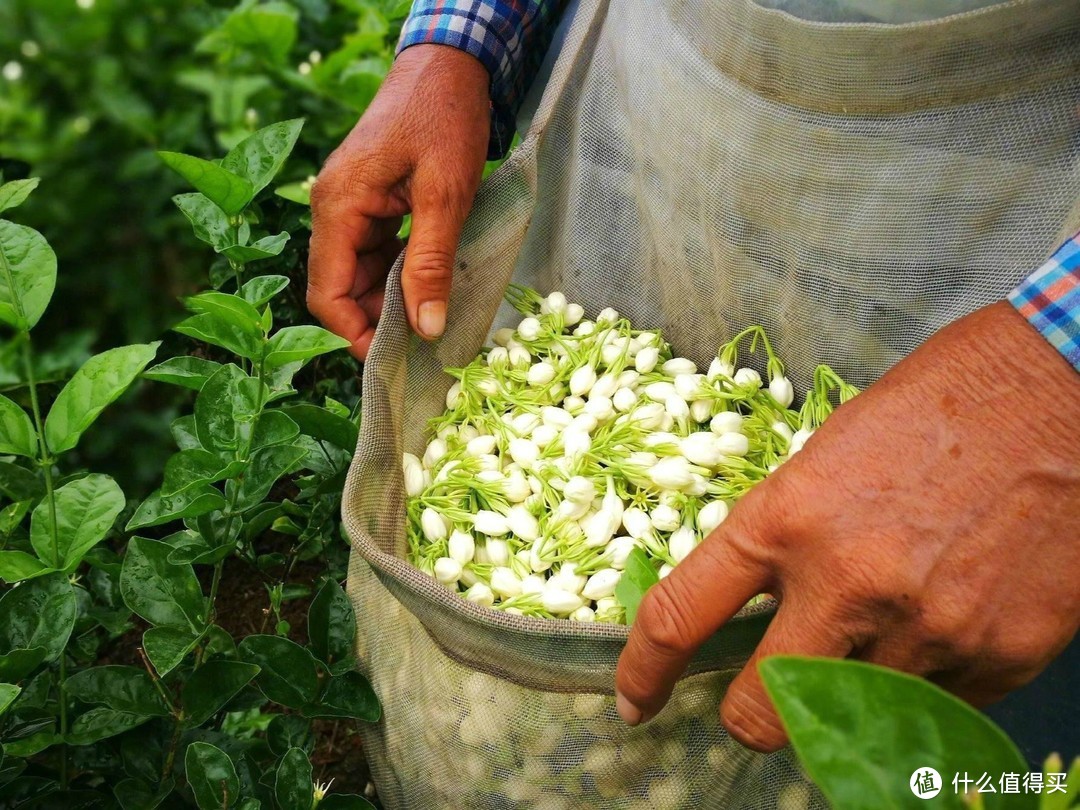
[1021,652]
[430,266]
[664,621]
[745,721]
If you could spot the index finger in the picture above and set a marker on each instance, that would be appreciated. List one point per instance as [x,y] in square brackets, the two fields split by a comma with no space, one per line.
[681,611]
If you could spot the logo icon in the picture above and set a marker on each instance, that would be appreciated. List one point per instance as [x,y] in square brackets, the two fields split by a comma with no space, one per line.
[925,783]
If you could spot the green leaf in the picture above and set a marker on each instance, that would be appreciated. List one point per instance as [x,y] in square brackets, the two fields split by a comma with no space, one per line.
[293,789]
[125,689]
[135,794]
[100,723]
[18,483]
[226,409]
[289,731]
[268,464]
[17,664]
[33,744]
[166,647]
[194,549]
[260,156]
[345,801]
[321,424]
[207,220]
[27,275]
[299,193]
[17,434]
[85,511]
[159,591]
[38,613]
[289,675]
[188,372]
[102,379]
[196,468]
[331,624]
[638,576]
[182,429]
[268,29]
[862,731]
[229,308]
[212,776]
[14,194]
[227,191]
[299,343]
[156,509]
[273,427]
[8,691]
[218,332]
[347,695]
[264,248]
[213,685]
[259,290]
[16,566]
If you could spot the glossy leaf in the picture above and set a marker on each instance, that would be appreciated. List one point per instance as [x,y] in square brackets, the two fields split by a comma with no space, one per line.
[638,576]
[102,379]
[209,222]
[101,723]
[188,372]
[862,731]
[125,689]
[321,424]
[231,308]
[219,332]
[260,156]
[195,550]
[135,794]
[293,789]
[191,469]
[268,29]
[289,675]
[229,192]
[17,664]
[38,613]
[17,434]
[346,695]
[300,343]
[182,429]
[166,647]
[159,591]
[8,691]
[273,427]
[299,193]
[213,685]
[15,192]
[226,409]
[156,509]
[16,566]
[259,290]
[18,483]
[85,511]
[289,731]
[267,466]
[265,248]
[211,776]
[331,624]
[27,275]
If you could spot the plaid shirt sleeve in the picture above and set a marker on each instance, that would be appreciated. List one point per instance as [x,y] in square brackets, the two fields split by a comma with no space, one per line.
[510,38]
[1050,299]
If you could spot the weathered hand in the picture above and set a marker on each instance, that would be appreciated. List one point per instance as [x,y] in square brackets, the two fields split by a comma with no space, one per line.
[419,148]
[930,526]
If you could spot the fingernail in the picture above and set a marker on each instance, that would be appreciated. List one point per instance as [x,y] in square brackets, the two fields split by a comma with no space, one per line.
[630,713]
[431,318]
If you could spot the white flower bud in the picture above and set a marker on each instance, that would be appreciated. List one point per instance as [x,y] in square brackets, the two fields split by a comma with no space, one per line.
[648,416]
[582,381]
[672,472]
[505,583]
[541,373]
[556,303]
[624,400]
[503,336]
[585,421]
[733,444]
[681,543]
[619,549]
[601,584]
[666,569]
[610,354]
[498,358]
[556,417]
[532,584]
[641,458]
[583,614]
[647,359]
[573,510]
[726,422]
[718,368]
[481,446]
[467,433]
[747,377]
[661,439]
[560,602]
[677,408]
[579,489]
[481,594]
[573,405]
[447,570]
[701,410]
[782,429]
[496,551]
[627,379]
[524,452]
[522,524]
[679,365]
[413,472]
[710,516]
[453,396]
[665,518]
[637,523]
[490,523]
[529,329]
[461,546]
[573,314]
[524,423]
[584,329]
[520,357]
[436,449]
[660,391]
[567,579]
[607,317]
[611,501]
[435,527]
[782,391]
[688,386]
[544,435]
[516,487]
[576,443]
[469,577]
[701,449]
[600,527]
[599,408]
[798,440]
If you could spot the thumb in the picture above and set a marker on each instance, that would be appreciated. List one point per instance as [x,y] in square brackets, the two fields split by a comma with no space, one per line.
[747,712]
[429,262]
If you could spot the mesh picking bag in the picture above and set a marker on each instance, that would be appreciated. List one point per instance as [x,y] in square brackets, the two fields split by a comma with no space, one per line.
[699,166]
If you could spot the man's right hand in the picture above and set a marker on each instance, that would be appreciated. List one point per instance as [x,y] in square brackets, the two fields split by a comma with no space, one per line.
[419,148]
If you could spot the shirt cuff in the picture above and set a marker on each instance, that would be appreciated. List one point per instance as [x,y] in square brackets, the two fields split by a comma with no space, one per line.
[1050,300]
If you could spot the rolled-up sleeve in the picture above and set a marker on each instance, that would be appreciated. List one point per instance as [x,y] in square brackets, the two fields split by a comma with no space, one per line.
[1050,299]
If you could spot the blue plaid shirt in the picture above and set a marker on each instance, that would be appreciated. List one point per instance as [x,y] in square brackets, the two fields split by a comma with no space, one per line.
[510,37]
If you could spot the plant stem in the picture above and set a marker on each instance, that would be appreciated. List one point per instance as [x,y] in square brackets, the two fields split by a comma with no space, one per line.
[157,682]
[170,757]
